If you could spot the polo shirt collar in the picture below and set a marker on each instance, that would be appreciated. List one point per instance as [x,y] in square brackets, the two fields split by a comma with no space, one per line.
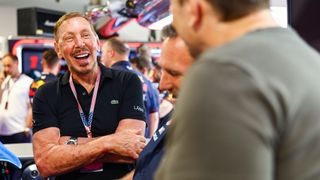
[105,73]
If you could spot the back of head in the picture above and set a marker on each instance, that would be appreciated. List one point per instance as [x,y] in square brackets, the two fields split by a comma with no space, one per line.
[168,32]
[144,51]
[142,64]
[230,10]
[50,57]
[11,56]
[120,47]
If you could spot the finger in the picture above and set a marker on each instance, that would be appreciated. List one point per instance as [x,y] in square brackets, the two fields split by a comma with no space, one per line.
[142,139]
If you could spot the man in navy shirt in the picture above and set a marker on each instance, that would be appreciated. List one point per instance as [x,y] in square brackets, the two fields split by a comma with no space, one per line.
[174,61]
[50,69]
[115,54]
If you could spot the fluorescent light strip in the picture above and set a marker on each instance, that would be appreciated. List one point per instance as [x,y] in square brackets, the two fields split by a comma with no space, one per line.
[161,23]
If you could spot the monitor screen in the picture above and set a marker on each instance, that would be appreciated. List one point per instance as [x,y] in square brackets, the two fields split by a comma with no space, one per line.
[303,17]
[31,61]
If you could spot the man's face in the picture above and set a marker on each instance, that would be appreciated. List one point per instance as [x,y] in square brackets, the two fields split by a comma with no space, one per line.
[78,45]
[10,67]
[105,58]
[174,61]
[182,14]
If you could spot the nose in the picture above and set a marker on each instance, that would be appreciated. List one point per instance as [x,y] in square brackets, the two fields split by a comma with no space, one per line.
[79,41]
[165,81]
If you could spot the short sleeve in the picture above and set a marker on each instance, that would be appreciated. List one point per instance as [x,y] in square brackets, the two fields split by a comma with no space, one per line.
[132,106]
[43,108]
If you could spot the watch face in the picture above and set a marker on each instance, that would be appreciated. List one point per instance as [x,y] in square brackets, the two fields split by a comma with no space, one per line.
[72,141]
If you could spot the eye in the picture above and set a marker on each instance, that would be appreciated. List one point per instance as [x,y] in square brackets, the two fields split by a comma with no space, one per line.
[68,39]
[174,73]
[86,35]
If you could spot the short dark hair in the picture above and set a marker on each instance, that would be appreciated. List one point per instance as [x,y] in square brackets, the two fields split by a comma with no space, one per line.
[69,16]
[11,56]
[141,63]
[50,57]
[168,31]
[118,45]
[234,9]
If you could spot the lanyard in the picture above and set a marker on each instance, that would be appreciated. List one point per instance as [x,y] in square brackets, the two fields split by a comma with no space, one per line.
[87,123]
[8,88]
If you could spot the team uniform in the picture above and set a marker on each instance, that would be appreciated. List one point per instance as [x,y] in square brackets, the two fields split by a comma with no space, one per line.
[150,94]
[37,83]
[151,156]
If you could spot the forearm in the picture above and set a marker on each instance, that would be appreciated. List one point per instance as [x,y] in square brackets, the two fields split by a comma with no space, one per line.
[108,157]
[57,159]
[54,157]
[29,119]
[153,123]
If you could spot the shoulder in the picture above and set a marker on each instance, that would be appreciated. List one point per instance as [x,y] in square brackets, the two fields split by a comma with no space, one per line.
[26,79]
[48,89]
[123,76]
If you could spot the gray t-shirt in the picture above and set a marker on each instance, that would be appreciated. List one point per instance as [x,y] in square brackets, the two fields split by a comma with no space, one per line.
[248,110]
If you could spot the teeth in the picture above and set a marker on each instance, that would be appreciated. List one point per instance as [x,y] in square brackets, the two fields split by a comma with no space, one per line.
[82,55]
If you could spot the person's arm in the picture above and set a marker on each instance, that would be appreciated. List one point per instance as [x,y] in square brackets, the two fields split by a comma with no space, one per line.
[125,125]
[153,123]
[154,113]
[128,176]
[28,120]
[53,158]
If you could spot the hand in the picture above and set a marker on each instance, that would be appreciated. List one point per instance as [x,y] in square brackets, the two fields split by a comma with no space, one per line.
[126,143]
[27,132]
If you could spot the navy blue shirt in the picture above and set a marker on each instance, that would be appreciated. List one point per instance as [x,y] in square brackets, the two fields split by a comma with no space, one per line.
[37,83]
[150,157]
[150,94]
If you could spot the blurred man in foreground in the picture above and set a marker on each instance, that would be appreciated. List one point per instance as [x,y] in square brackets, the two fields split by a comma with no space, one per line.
[249,107]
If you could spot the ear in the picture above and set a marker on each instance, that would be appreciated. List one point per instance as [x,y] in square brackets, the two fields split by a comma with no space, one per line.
[111,53]
[42,62]
[57,49]
[16,63]
[196,14]
[98,42]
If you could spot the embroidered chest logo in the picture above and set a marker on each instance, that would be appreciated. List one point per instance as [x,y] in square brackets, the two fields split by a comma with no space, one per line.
[114,101]
[138,108]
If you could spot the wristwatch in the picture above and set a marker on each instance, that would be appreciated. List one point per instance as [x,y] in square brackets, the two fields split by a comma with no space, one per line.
[72,140]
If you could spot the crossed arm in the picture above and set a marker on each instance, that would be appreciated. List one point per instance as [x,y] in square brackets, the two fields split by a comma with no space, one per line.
[54,157]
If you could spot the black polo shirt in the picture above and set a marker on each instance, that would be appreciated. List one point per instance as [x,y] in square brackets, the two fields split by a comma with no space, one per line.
[119,97]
